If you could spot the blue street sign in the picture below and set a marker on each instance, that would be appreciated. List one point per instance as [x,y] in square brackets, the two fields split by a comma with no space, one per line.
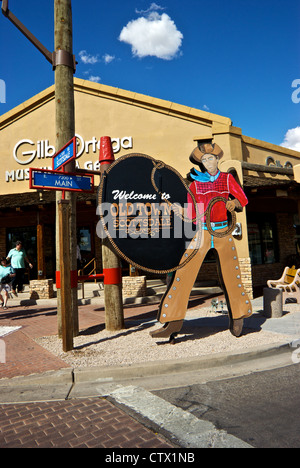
[65,155]
[50,180]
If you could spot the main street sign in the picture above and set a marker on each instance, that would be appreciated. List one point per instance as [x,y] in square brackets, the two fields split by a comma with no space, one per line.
[65,155]
[44,179]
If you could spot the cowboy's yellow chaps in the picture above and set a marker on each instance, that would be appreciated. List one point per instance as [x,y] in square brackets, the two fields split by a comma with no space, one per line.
[175,301]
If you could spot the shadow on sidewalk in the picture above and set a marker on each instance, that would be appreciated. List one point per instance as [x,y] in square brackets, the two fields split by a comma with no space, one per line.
[27,313]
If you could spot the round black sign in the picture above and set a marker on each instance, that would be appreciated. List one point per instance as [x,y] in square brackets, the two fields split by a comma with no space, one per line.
[136,206]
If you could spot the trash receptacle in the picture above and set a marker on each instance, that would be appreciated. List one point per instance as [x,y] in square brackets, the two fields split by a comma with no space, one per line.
[272,303]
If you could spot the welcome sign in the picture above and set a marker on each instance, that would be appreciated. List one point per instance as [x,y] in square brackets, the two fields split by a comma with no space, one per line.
[136,197]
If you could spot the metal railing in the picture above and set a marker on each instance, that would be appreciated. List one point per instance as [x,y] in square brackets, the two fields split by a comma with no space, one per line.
[84,275]
[83,271]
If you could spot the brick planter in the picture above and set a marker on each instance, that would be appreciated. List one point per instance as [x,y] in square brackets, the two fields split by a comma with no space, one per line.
[134,286]
[41,289]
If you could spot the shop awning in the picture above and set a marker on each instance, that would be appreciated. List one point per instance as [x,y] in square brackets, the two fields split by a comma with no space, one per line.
[252,182]
[37,199]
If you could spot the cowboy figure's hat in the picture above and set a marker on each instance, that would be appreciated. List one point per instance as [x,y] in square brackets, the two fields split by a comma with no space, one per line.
[205,148]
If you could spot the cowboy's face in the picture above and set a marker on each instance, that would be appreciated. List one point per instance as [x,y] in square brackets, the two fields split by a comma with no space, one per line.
[210,162]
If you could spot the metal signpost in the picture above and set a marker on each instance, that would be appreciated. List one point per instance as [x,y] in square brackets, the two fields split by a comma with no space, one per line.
[45,179]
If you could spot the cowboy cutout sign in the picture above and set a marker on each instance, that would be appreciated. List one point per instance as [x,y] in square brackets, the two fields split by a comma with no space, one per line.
[220,191]
[159,223]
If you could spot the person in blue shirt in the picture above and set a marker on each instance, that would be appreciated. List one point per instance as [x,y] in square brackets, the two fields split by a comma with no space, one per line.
[7,275]
[17,257]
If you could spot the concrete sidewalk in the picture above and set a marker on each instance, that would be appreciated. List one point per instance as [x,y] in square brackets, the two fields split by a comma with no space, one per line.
[33,380]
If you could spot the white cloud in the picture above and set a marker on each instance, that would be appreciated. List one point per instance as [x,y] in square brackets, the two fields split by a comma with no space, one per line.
[155,35]
[108,58]
[87,58]
[95,79]
[153,7]
[292,139]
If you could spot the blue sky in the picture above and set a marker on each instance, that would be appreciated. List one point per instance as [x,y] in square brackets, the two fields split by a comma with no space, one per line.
[235,58]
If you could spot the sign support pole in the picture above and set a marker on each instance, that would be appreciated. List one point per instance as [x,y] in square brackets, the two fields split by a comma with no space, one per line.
[65,131]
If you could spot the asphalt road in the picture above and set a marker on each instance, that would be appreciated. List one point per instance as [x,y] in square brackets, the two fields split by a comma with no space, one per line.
[262,409]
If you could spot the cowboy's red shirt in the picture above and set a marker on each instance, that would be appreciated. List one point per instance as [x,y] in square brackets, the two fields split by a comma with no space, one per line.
[204,192]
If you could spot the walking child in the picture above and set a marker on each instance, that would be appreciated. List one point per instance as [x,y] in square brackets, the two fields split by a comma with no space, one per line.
[7,275]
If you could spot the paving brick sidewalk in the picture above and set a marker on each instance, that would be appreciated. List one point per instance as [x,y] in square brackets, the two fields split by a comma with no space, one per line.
[87,423]
[84,423]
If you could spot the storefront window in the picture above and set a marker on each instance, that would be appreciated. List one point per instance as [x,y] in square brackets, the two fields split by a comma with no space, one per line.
[268,244]
[296,225]
[262,236]
[84,239]
[28,237]
[254,243]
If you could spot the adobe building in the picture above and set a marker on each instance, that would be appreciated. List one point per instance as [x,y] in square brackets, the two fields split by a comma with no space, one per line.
[167,131]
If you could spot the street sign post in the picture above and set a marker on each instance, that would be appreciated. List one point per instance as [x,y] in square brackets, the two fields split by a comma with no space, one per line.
[64,155]
[45,179]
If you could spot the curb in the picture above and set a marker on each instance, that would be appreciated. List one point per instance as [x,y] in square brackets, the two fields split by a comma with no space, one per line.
[177,425]
[148,369]
[151,369]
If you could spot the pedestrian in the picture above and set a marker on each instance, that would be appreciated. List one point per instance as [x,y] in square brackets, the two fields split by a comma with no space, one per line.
[17,257]
[6,277]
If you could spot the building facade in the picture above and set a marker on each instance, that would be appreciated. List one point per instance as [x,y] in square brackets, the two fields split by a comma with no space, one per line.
[167,131]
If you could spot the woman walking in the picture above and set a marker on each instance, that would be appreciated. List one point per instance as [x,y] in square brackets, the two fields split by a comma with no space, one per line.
[17,257]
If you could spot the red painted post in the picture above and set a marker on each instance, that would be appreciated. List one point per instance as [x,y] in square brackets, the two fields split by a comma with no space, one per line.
[114,315]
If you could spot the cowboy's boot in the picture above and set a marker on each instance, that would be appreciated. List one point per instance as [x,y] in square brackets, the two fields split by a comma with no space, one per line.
[169,329]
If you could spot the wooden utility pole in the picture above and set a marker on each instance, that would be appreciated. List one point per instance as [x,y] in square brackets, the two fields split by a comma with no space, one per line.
[65,131]
[114,316]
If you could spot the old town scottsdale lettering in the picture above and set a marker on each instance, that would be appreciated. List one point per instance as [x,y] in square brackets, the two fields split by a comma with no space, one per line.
[162,223]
